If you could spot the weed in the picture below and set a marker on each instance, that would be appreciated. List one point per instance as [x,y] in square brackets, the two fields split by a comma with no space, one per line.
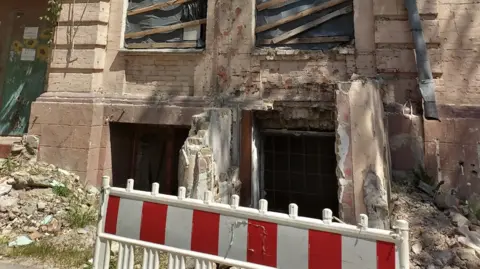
[80,216]
[8,166]
[61,191]
[138,259]
[47,252]
[3,240]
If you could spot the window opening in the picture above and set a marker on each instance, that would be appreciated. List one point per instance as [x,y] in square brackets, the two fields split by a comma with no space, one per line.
[300,168]
[146,153]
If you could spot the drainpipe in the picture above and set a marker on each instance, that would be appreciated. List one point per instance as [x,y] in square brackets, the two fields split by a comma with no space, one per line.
[425,77]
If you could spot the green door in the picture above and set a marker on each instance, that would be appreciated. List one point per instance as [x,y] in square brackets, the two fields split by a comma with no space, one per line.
[24,78]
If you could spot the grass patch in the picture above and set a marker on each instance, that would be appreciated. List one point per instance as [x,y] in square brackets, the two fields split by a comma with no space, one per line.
[3,240]
[138,259]
[79,216]
[61,191]
[45,252]
[8,166]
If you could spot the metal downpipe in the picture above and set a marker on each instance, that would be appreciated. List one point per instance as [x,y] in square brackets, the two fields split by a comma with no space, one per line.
[425,77]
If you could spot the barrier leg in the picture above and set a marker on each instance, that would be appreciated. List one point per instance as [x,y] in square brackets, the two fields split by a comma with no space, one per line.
[403,230]
[101,256]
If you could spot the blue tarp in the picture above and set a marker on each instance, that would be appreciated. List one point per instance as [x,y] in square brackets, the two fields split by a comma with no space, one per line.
[339,26]
[190,11]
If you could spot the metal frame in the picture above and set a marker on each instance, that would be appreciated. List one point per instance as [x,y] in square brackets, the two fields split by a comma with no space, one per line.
[103,240]
[319,176]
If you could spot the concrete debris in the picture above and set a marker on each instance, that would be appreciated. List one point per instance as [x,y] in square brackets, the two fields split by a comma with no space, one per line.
[417,248]
[375,197]
[205,161]
[458,219]
[434,238]
[39,201]
[20,241]
[46,220]
[5,189]
[114,248]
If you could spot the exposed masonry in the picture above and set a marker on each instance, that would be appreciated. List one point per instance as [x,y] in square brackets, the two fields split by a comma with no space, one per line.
[205,159]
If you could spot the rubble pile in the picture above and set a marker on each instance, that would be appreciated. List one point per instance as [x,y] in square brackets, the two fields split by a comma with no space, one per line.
[39,201]
[444,234]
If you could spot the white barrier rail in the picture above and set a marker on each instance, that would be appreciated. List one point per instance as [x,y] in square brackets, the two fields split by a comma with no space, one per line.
[237,236]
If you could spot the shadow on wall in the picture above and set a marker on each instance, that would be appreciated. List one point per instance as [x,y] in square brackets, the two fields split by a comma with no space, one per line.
[451,148]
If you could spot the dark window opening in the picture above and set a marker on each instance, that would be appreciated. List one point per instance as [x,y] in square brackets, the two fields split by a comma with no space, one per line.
[300,168]
[146,153]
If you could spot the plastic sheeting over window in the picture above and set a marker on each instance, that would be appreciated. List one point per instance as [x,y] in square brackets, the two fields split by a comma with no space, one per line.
[304,24]
[165,24]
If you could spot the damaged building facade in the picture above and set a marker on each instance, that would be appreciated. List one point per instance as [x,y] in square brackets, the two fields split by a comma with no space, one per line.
[312,102]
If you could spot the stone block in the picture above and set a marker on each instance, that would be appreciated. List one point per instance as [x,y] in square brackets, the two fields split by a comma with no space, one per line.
[74,82]
[81,35]
[467,131]
[397,7]
[90,11]
[59,136]
[441,131]
[74,160]
[78,58]
[364,26]
[399,32]
[406,143]
[403,60]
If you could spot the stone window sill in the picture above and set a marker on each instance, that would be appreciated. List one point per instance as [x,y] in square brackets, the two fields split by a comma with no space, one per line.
[276,53]
[161,51]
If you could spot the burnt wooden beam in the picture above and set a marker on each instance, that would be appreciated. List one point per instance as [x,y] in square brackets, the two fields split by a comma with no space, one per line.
[299,15]
[161,45]
[270,4]
[312,24]
[164,29]
[310,40]
[156,6]
[246,158]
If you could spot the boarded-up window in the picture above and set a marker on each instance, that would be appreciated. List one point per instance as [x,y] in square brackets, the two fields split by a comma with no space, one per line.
[304,24]
[157,24]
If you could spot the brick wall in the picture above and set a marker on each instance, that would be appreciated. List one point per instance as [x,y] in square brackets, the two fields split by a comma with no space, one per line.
[165,75]
[230,64]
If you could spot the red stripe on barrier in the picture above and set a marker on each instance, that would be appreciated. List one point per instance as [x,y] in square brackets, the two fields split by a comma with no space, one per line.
[385,255]
[325,250]
[154,220]
[112,215]
[205,232]
[262,243]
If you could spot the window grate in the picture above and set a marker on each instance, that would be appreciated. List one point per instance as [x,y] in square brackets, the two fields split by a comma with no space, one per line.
[300,169]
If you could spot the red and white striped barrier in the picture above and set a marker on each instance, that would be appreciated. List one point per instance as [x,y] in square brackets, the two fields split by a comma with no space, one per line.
[238,236]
